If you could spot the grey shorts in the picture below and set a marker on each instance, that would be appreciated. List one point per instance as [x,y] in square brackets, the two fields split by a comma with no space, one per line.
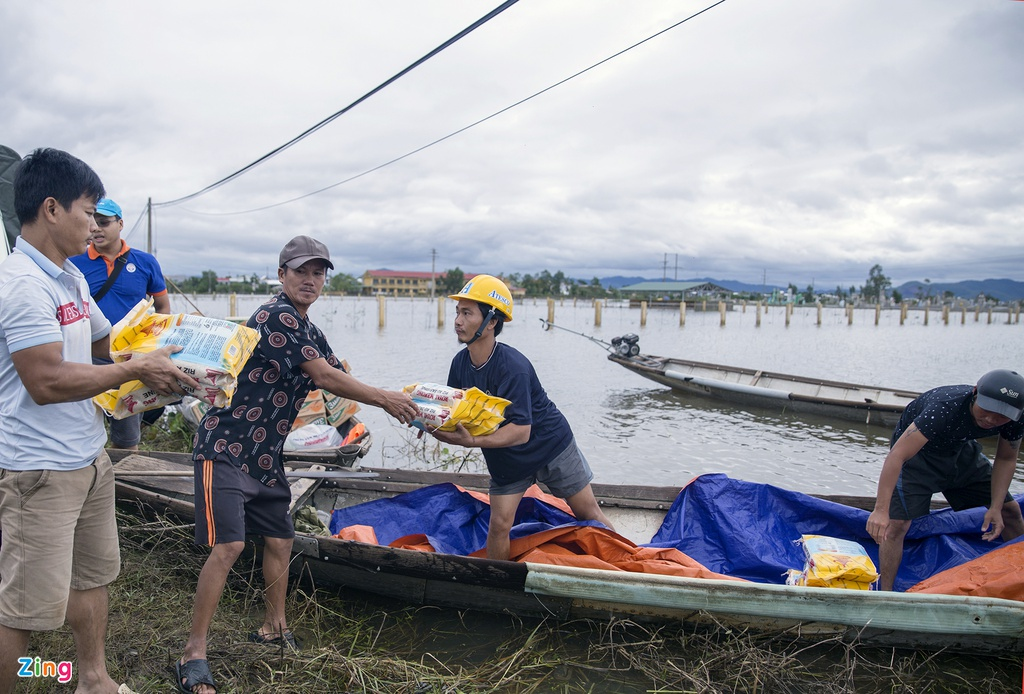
[964,478]
[567,474]
[59,534]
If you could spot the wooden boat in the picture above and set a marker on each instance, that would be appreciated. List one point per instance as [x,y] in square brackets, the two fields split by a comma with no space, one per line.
[767,389]
[564,592]
[758,388]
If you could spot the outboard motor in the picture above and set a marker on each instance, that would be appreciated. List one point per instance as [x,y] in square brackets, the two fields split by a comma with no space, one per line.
[627,345]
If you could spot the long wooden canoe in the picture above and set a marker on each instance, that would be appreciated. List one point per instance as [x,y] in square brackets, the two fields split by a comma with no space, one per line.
[767,389]
[541,590]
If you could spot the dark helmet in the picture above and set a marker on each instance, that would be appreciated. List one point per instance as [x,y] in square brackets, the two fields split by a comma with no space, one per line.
[1001,391]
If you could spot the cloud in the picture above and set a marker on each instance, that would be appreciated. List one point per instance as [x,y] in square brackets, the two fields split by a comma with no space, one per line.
[801,141]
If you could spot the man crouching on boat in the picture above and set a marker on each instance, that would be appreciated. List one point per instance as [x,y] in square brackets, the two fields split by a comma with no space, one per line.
[535,441]
[240,484]
[934,448]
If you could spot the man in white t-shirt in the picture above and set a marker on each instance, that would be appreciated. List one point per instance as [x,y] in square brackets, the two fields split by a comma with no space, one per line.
[56,481]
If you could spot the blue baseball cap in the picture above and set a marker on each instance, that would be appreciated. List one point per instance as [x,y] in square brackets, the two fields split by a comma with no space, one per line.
[108,208]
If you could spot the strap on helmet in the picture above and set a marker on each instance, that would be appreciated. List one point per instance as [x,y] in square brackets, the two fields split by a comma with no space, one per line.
[480,331]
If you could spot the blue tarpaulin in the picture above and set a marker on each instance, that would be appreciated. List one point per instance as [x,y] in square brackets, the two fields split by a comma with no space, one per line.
[454,521]
[750,531]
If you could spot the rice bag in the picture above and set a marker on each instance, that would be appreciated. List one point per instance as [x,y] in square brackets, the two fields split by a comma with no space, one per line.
[213,352]
[443,408]
[835,563]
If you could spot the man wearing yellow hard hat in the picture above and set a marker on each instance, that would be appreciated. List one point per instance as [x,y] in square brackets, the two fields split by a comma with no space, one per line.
[535,442]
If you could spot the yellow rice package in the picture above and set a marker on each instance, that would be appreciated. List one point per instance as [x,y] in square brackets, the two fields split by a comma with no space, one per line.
[442,408]
[835,563]
[213,352]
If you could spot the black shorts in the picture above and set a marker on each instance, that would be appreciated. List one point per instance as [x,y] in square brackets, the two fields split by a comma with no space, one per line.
[964,477]
[231,504]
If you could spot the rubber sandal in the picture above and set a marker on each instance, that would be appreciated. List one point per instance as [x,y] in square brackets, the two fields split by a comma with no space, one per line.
[280,640]
[192,673]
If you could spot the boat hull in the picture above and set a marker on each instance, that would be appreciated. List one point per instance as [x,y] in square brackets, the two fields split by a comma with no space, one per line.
[775,391]
[545,591]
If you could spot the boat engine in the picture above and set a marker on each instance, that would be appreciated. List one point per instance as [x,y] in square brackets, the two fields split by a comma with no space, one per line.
[626,346]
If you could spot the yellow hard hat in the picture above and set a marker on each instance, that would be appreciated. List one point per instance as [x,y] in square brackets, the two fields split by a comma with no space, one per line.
[489,290]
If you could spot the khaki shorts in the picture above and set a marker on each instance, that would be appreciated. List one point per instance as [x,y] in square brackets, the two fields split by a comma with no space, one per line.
[59,534]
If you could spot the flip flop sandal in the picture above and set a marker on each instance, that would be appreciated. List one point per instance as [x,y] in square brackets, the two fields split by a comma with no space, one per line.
[192,673]
[286,639]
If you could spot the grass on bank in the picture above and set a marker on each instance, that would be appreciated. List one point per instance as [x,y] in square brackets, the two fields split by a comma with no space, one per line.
[359,643]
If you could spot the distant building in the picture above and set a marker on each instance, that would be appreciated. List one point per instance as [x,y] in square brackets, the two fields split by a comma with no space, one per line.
[670,289]
[411,283]
[399,282]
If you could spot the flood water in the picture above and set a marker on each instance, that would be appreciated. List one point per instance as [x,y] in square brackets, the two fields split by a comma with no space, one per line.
[633,430]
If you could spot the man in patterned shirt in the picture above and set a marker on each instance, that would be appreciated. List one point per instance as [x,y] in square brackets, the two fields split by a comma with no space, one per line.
[240,484]
[934,448]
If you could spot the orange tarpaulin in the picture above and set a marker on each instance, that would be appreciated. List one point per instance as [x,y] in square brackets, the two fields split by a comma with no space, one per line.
[998,574]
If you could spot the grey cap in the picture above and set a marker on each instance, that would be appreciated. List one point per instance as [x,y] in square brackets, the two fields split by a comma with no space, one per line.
[301,250]
[1002,391]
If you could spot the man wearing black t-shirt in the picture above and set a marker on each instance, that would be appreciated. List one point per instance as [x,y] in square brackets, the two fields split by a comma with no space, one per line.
[535,442]
[934,448]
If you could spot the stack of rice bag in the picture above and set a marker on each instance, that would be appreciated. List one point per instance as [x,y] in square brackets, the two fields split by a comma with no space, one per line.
[442,408]
[213,352]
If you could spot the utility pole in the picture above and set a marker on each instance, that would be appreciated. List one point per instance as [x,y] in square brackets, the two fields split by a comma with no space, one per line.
[433,274]
[149,225]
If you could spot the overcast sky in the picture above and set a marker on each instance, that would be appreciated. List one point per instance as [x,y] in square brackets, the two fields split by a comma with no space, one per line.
[796,141]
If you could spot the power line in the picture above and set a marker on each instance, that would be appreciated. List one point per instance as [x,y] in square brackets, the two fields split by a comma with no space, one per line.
[274,152]
[462,129]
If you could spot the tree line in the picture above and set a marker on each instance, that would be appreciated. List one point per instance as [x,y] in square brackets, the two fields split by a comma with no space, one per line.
[876,288]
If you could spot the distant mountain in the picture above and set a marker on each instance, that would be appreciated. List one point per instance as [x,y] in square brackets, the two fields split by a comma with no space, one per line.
[1002,289]
[620,281]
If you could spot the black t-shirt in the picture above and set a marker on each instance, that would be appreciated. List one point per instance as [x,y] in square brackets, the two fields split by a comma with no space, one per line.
[943,415]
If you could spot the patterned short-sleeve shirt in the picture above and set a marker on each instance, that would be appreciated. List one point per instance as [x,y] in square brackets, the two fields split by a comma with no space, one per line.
[250,432]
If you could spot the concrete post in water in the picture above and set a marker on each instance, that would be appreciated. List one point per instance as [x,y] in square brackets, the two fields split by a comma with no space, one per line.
[977,311]
[989,322]
[878,311]
[1009,314]
[789,312]
[849,314]
[551,310]
[927,305]
[643,313]
[744,304]
[819,312]
[721,314]
[963,314]
[380,310]
[757,320]
[440,312]
[945,314]
[903,312]
[233,304]
[597,313]
[682,313]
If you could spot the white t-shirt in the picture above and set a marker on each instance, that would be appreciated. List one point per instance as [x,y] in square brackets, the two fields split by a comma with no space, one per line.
[42,303]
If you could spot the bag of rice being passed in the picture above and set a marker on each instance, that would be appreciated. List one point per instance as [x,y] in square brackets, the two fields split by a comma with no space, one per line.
[442,408]
[835,563]
[213,352]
